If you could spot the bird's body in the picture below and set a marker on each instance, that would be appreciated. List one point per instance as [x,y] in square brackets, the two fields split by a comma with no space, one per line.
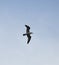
[28,33]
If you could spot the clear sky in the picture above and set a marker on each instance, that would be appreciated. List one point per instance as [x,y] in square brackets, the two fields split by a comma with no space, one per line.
[43,18]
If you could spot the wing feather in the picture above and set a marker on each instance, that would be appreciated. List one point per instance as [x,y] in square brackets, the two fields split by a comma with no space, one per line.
[29,38]
[28,28]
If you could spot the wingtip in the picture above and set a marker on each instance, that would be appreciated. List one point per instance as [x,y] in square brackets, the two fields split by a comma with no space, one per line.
[25,25]
[27,43]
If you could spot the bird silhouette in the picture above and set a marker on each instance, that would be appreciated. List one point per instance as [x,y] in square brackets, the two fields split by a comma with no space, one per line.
[28,33]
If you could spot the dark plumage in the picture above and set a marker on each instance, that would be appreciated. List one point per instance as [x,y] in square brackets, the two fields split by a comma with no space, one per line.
[28,33]
[29,38]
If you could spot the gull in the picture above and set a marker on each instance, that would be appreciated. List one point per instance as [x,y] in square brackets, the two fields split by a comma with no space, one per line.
[28,33]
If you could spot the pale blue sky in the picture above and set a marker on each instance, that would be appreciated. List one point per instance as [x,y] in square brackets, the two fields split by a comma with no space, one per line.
[43,17]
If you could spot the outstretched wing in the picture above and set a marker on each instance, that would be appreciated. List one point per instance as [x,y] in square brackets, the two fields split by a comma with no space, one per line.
[29,38]
[28,28]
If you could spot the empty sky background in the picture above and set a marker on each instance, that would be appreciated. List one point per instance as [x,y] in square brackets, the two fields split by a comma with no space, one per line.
[43,18]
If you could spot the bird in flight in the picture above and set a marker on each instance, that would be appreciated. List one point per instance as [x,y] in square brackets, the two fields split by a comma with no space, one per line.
[27,33]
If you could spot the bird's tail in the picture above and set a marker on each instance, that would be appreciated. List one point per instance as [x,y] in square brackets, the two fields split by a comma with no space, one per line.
[24,34]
